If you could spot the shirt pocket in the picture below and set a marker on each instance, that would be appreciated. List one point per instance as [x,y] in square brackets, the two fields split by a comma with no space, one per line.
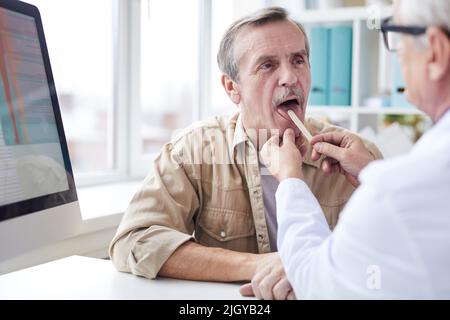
[226,228]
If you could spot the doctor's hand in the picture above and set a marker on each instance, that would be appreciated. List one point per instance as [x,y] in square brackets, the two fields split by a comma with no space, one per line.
[284,161]
[270,281]
[345,153]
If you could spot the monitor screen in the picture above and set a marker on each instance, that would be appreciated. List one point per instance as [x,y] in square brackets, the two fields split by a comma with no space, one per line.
[35,171]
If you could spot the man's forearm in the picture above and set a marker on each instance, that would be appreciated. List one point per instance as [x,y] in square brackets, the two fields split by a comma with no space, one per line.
[192,261]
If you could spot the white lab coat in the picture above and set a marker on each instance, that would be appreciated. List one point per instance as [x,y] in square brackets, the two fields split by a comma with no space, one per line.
[393,237]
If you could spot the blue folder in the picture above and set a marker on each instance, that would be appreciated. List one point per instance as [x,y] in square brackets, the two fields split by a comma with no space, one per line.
[319,66]
[340,71]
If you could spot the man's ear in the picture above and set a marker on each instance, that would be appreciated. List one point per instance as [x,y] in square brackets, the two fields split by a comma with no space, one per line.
[439,62]
[231,88]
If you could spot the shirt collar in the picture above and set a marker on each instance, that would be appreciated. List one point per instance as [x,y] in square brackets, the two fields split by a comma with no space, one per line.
[307,158]
[240,136]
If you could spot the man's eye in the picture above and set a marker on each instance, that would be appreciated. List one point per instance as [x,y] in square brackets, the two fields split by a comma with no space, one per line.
[266,66]
[299,61]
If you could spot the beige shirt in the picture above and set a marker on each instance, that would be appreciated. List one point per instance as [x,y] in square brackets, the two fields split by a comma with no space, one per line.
[206,186]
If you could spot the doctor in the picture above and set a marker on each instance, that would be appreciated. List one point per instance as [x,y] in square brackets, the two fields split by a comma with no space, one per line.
[393,238]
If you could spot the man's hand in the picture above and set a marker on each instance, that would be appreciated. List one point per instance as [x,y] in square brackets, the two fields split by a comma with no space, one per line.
[270,281]
[345,153]
[284,161]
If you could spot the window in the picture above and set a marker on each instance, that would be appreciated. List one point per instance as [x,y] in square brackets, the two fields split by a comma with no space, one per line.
[80,43]
[169,51]
[131,73]
[221,18]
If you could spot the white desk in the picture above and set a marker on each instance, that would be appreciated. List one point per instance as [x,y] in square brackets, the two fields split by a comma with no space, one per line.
[89,278]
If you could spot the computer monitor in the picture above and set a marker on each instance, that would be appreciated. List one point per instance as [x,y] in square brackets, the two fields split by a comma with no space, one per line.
[38,200]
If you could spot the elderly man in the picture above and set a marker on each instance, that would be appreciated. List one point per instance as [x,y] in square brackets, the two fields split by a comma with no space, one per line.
[206,211]
[393,239]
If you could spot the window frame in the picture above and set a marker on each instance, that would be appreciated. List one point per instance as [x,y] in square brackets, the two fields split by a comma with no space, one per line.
[124,135]
[140,164]
[117,124]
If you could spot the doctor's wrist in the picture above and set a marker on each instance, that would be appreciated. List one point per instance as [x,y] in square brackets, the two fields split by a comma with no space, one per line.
[290,174]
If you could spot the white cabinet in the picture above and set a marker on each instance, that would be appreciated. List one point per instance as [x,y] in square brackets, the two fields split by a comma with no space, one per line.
[370,64]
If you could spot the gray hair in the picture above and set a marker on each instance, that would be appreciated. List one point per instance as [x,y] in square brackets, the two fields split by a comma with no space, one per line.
[226,58]
[426,13]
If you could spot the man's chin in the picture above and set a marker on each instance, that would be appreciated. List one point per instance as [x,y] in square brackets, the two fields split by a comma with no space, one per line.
[282,122]
[296,130]
[282,128]
[288,123]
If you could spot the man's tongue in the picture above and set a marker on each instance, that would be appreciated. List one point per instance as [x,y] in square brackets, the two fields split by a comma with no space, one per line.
[283,108]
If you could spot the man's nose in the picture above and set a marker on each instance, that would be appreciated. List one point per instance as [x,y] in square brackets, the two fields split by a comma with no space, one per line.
[288,77]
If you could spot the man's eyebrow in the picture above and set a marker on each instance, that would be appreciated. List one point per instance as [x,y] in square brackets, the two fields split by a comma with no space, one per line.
[271,57]
[300,53]
[264,58]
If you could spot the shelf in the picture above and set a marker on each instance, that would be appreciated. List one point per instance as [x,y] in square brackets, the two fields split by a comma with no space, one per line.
[339,109]
[363,110]
[389,110]
[371,66]
[344,14]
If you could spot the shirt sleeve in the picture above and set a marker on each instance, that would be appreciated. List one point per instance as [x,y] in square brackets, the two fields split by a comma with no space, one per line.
[369,254]
[159,218]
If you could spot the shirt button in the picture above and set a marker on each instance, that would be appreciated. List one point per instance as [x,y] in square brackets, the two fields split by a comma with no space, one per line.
[260,237]
[223,234]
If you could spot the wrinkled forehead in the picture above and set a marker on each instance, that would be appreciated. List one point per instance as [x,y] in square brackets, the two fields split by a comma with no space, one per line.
[270,39]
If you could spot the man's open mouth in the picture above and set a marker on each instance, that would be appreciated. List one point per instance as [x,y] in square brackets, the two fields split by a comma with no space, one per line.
[291,103]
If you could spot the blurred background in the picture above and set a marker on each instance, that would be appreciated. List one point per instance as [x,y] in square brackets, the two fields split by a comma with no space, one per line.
[130,73]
